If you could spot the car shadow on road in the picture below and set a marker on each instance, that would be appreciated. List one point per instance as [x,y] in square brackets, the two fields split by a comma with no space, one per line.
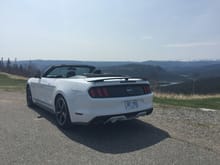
[115,138]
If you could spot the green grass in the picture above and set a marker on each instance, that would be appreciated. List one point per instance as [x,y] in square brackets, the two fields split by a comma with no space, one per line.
[209,102]
[8,83]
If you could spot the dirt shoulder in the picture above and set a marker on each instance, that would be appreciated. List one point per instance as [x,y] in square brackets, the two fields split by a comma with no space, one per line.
[188,124]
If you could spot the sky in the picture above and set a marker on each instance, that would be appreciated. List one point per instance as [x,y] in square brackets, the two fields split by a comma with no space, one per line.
[110,30]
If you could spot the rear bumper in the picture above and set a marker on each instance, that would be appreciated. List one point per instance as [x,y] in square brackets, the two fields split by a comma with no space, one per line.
[84,109]
[120,117]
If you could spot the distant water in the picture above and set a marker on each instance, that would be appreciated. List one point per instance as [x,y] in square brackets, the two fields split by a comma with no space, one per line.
[165,84]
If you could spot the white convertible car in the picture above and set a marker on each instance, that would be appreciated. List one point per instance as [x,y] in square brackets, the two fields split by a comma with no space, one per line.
[81,94]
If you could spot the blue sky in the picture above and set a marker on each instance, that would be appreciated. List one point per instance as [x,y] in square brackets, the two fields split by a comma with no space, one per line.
[110,30]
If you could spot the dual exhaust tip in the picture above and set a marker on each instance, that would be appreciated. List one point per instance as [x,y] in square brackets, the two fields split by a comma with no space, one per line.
[122,118]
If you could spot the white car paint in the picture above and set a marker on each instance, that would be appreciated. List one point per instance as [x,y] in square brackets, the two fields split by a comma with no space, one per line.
[82,107]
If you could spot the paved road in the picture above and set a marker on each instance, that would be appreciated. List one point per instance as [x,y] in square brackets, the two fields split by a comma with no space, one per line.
[168,136]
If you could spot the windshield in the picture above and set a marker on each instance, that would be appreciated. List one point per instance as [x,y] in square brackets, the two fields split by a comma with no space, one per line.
[67,71]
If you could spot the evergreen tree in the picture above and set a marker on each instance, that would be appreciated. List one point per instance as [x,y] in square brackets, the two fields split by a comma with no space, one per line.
[21,70]
[8,65]
[15,67]
[1,64]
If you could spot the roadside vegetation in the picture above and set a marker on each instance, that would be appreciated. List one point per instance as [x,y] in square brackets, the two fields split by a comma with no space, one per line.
[201,86]
[10,82]
[15,68]
[193,101]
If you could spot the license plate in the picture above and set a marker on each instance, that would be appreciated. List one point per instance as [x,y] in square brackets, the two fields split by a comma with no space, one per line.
[131,104]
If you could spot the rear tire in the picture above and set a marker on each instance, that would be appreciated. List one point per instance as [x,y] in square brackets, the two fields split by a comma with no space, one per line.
[62,113]
[29,99]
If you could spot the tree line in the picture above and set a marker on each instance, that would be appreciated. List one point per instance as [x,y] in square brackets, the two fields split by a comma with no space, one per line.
[13,67]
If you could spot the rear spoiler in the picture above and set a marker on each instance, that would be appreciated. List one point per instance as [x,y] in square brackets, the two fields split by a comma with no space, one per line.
[126,79]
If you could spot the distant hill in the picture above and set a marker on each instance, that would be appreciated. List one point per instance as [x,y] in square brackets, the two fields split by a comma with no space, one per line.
[181,66]
[161,74]
[144,71]
[42,64]
[156,70]
[203,71]
[174,66]
[134,69]
[200,86]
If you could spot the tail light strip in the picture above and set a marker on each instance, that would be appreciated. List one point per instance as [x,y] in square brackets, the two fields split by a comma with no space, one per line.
[107,92]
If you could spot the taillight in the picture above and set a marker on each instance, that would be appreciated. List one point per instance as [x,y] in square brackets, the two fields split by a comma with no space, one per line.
[147,89]
[92,92]
[105,92]
[98,92]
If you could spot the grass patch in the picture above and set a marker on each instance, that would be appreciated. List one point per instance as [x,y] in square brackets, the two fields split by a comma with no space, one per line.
[8,83]
[210,102]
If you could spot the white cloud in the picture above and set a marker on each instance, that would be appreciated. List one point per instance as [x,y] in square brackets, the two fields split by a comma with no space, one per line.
[192,44]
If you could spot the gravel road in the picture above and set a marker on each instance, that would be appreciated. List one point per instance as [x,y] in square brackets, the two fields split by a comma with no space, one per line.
[170,135]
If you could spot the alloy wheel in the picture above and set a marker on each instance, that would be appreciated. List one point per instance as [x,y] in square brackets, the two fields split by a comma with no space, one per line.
[61,111]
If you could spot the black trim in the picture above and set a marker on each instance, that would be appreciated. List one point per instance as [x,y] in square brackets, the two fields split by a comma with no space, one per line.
[109,78]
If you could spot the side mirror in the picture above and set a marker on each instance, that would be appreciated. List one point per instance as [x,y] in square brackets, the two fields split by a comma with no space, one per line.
[38,75]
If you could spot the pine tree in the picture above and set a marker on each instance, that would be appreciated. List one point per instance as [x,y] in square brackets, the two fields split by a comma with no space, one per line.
[15,67]
[8,65]
[21,70]
[1,64]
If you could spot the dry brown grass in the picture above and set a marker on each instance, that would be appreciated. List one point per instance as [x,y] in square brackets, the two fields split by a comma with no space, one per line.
[185,97]
[14,76]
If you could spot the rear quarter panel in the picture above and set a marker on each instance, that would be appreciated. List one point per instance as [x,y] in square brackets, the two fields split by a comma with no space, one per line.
[70,89]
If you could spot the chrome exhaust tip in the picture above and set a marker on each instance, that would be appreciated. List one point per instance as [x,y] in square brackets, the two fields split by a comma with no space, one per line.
[115,119]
